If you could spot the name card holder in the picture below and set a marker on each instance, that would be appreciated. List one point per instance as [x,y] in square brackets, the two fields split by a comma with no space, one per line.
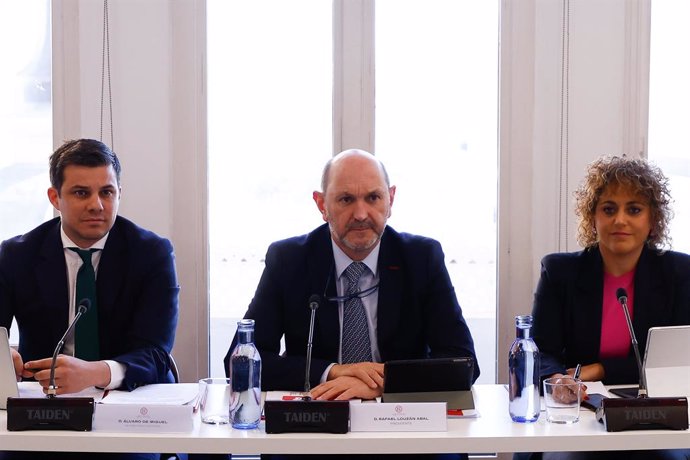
[144,418]
[398,416]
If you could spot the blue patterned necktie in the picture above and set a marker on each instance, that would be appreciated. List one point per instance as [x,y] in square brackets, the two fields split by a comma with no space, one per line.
[86,343]
[356,342]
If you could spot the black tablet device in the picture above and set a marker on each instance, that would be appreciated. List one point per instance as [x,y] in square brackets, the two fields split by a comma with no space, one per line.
[432,374]
[593,401]
[625,392]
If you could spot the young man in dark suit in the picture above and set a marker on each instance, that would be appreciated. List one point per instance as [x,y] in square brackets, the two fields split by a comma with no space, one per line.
[123,341]
[409,305]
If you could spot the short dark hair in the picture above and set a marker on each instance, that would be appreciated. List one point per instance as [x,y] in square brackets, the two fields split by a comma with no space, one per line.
[81,152]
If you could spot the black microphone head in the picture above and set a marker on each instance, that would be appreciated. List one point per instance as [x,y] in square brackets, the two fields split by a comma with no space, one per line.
[314,301]
[84,305]
[621,294]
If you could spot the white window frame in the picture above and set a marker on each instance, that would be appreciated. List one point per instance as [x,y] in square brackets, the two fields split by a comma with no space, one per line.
[574,86]
[159,115]
[353,75]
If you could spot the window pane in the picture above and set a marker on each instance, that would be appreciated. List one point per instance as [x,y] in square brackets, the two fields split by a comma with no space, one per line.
[25,115]
[436,125]
[669,99]
[26,129]
[269,117]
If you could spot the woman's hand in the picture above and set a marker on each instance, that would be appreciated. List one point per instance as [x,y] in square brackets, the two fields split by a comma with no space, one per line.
[568,392]
[590,372]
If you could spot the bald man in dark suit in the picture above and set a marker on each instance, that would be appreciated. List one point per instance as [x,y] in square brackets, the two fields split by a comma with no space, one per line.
[401,294]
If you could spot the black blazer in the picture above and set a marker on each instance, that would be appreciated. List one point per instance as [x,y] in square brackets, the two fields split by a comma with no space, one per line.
[568,308]
[137,297]
[418,312]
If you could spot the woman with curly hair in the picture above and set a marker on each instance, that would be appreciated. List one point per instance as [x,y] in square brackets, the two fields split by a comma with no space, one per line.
[624,209]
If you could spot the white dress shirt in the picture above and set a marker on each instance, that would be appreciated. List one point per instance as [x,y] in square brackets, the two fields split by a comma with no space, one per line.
[369,278]
[74,262]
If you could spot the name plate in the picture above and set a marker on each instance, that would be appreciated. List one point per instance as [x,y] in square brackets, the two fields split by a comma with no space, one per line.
[156,408]
[151,418]
[398,416]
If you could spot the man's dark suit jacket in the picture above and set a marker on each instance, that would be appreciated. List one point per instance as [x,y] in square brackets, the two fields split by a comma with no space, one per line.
[137,297]
[568,308]
[418,312]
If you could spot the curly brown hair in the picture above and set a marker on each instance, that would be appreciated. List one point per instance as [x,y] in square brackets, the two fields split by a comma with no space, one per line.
[642,178]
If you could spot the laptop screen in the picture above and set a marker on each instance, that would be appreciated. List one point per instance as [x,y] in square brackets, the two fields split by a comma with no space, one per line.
[667,361]
[8,382]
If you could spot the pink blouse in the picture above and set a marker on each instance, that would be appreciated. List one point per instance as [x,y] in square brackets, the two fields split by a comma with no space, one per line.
[615,338]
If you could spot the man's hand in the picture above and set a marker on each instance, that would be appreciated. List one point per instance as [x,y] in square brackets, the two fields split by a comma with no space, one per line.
[371,374]
[71,374]
[19,370]
[344,388]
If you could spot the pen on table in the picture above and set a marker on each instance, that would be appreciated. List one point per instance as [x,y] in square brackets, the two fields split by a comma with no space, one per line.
[576,376]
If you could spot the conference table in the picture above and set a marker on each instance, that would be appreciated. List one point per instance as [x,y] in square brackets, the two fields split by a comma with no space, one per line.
[492,431]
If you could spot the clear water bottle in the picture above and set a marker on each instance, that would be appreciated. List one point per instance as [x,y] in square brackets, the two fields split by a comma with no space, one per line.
[245,378]
[523,374]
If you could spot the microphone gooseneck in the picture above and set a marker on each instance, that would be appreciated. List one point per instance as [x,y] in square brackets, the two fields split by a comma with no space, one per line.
[304,415]
[314,302]
[641,413]
[622,296]
[84,305]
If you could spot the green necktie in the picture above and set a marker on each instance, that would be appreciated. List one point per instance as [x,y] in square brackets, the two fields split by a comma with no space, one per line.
[86,345]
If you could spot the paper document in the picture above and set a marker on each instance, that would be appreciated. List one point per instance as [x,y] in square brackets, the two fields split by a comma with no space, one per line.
[156,408]
[597,387]
[34,390]
[170,394]
[459,413]
[286,395]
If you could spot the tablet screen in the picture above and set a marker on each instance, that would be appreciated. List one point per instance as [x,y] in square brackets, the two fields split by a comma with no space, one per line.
[433,374]
[625,392]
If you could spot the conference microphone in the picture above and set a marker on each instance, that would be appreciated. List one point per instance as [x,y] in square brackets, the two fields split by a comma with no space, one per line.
[303,414]
[313,305]
[51,412]
[83,307]
[643,412]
